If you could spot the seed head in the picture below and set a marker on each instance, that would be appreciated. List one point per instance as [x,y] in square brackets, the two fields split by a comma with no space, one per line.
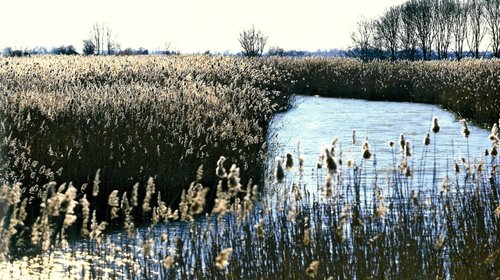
[289,161]
[222,260]
[435,126]
[427,139]
[365,149]
[220,171]
[402,141]
[279,172]
[494,151]
[331,165]
[407,149]
[312,269]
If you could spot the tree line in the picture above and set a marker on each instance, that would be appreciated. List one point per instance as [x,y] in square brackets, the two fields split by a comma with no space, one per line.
[430,29]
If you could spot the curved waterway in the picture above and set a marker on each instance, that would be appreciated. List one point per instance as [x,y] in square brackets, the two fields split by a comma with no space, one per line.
[315,122]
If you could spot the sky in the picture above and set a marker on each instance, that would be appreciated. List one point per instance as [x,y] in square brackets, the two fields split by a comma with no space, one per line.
[189,25]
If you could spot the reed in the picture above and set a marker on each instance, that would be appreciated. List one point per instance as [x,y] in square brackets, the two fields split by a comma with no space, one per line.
[148,194]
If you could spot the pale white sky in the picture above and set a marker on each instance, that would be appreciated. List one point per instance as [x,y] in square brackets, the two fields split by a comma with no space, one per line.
[191,25]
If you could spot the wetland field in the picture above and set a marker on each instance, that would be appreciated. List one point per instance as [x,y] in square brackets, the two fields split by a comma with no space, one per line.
[220,167]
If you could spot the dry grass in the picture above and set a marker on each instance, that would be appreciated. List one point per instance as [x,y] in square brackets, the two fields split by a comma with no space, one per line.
[470,87]
[103,124]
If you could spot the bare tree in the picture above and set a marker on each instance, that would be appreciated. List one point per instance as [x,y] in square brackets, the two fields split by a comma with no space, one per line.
[102,38]
[96,35]
[408,30]
[459,19]
[387,31]
[424,23]
[492,16]
[362,39]
[443,25]
[252,41]
[111,43]
[476,26]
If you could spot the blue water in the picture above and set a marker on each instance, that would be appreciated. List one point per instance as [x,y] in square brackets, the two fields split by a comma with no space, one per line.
[316,121]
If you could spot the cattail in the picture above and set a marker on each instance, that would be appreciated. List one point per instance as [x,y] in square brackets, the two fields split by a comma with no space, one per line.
[279,172]
[407,149]
[289,161]
[402,141]
[331,165]
[301,163]
[486,152]
[220,171]
[435,126]
[456,168]
[465,130]
[365,148]
[353,137]
[312,269]
[427,139]
[222,260]
[390,144]
[494,151]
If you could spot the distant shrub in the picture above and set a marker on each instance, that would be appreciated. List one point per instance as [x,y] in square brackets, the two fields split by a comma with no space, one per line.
[64,50]
[15,53]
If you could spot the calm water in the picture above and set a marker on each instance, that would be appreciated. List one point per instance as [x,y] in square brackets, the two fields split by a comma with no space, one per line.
[316,121]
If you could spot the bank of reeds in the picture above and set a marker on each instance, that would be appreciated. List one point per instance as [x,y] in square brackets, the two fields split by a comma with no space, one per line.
[128,136]
[128,118]
[470,87]
[357,224]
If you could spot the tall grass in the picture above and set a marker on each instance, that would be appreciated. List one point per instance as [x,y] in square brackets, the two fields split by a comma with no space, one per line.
[357,225]
[140,139]
[130,118]
[470,87]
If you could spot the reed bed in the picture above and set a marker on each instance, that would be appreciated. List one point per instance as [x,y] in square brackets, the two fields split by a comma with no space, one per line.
[122,120]
[112,168]
[470,87]
[357,224]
